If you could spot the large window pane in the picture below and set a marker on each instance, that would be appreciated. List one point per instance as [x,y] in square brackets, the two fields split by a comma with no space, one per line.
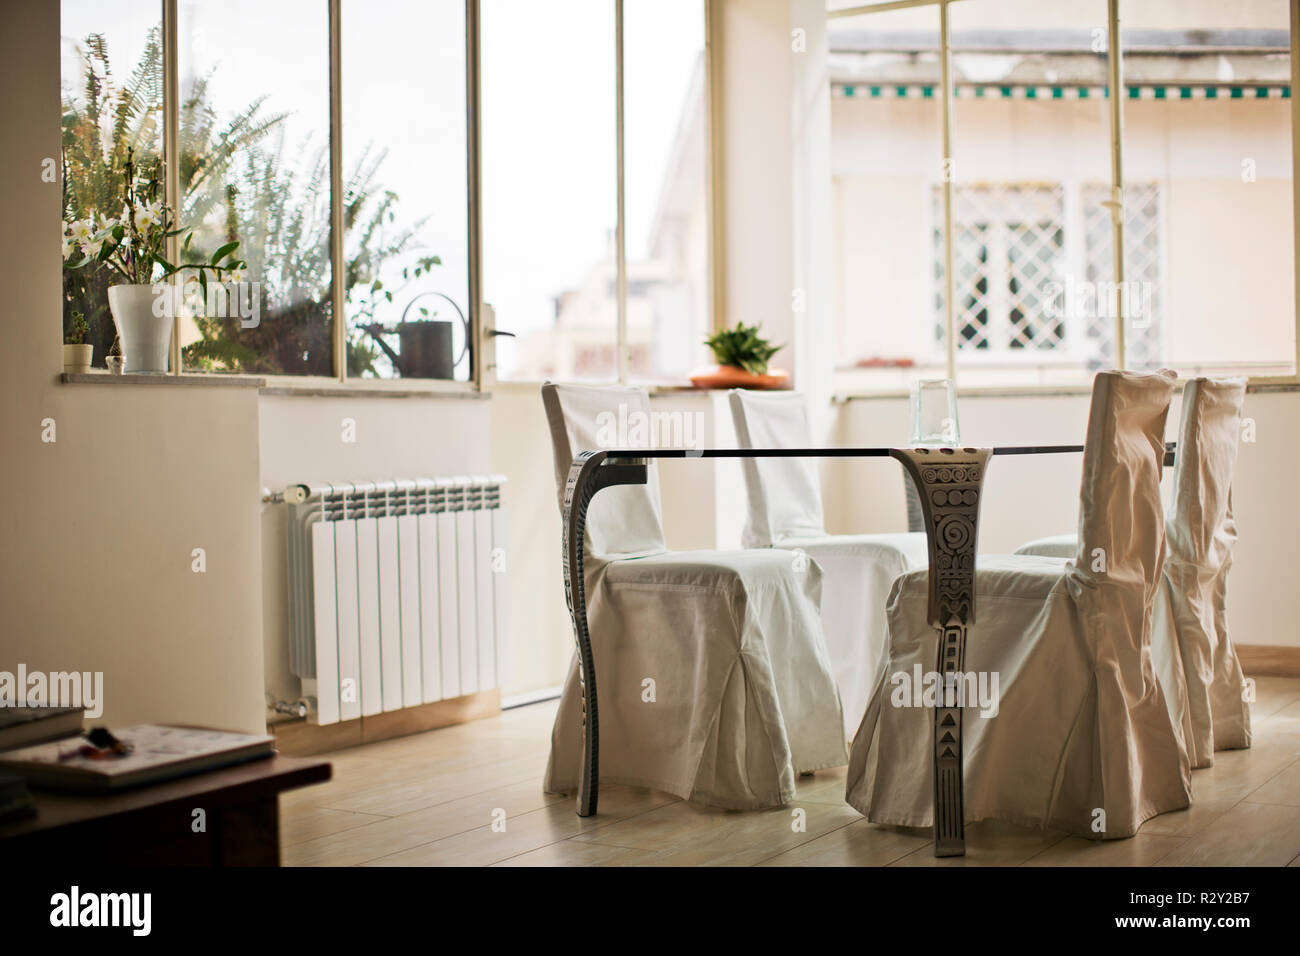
[886,165]
[665,131]
[404,150]
[1031,171]
[111,58]
[254,116]
[1207,163]
[549,186]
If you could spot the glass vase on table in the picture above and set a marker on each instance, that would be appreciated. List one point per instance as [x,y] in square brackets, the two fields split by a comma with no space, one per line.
[934,425]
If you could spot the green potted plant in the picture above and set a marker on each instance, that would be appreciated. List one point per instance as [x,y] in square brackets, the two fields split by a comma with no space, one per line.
[131,246]
[76,353]
[742,356]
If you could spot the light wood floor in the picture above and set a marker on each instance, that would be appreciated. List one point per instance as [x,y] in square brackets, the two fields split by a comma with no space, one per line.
[430,799]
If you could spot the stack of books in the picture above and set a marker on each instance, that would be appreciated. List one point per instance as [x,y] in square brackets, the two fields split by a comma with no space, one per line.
[21,726]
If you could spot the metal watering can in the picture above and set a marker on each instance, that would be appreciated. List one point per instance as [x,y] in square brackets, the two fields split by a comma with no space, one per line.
[426,348]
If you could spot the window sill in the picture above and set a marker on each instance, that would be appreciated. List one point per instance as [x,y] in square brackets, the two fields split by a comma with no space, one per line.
[1036,391]
[374,388]
[277,385]
[986,391]
[662,388]
[202,381]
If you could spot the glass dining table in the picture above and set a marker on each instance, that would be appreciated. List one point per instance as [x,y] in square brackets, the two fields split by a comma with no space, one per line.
[950,483]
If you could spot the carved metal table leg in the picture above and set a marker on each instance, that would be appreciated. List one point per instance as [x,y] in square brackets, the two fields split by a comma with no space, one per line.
[949,481]
[589,473]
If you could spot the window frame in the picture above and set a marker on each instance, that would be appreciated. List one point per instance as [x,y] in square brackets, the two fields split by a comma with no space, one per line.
[340,378]
[480,376]
[713,205]
[1115,80]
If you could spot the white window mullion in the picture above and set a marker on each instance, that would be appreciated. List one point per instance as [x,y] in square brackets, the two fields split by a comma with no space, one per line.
[1116,83]
[171,155]
[620,228]
[337,269]
[948,168]
[474,196]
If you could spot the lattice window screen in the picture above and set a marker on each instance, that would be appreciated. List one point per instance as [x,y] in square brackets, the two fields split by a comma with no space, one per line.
[1008,251]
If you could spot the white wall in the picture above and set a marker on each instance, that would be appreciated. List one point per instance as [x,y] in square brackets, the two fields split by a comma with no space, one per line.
[98,527]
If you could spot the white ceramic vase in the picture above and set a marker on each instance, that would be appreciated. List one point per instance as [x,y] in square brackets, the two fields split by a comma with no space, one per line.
[146,337]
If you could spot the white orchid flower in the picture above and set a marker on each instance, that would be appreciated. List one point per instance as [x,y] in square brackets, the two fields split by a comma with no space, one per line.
[69,247]
[237,274]
[148,216]
[83,230]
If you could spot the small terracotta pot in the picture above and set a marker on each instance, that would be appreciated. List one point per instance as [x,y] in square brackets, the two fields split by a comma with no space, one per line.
[729,376]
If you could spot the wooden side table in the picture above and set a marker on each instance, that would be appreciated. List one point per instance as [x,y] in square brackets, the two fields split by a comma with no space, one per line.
[154,825]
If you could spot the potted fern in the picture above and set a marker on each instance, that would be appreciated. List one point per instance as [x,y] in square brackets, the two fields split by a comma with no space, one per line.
[742,356]
[76,352]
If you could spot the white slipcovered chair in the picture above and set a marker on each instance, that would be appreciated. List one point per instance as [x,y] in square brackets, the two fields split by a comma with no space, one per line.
[1194,657]
[785,511]
[744,700]
[1081,739]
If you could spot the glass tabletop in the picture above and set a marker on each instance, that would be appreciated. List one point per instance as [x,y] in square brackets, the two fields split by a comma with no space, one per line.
[845,452]
[875,452]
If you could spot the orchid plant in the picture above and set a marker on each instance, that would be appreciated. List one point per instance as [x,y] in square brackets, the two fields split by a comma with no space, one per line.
[132,244]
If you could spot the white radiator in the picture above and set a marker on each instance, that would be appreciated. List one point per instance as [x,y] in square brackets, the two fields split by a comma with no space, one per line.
[397,593]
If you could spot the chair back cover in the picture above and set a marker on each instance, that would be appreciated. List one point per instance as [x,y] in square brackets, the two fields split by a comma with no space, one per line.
[1200,664]
[1201,529]
[625,520]
[1121,517]
[785,499]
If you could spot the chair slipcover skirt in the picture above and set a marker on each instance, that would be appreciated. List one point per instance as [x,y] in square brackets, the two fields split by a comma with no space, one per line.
[742,698]
[857,574]
[1071,736]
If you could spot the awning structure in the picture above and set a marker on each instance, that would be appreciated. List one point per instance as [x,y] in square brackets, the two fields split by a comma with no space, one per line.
[923,91]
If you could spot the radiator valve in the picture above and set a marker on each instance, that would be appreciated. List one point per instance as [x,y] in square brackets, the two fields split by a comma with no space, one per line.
[294,708]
